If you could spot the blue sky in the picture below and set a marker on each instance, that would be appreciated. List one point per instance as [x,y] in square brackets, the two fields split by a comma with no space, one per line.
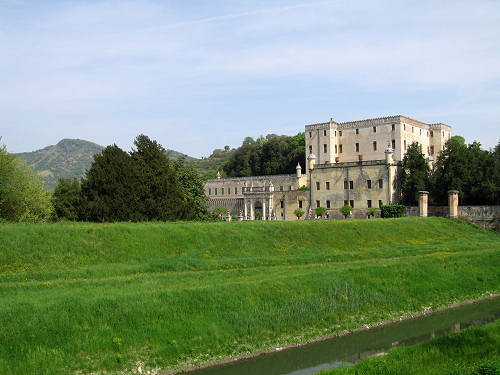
[198,75]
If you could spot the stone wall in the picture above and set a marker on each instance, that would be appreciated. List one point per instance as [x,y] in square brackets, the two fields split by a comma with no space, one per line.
[484,216]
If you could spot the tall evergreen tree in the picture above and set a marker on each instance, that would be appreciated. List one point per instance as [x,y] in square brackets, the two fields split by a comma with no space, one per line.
[67,199]
[109,189]
[414,174]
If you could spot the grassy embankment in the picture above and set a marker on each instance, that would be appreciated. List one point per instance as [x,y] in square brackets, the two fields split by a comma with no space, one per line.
[473,351]
[104,296]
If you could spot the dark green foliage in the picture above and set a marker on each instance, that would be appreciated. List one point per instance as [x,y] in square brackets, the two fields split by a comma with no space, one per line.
[67,199]
[303,188]
[110,190]
[414,174]
[267,156]
[470,170]
[143,185]
[392,210]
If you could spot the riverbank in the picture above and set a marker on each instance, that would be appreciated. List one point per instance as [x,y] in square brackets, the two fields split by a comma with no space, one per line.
[105,297]
[473,351]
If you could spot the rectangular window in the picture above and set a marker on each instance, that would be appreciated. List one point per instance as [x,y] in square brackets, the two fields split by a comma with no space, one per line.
[335,133]
[290,187]
[432,150]
[317,204]
[335,148]
[215,191]
[327,183]
[393,127]
[357,147]
[346,202]
[404,126]
[357,131]
[432,133]
[324,133]
[369,203]
[228,191]
[282,204]
[222,191]
[300,204]
[327,204]
[380,183]
[340,149]
[317,185]
[310,134]
[374,145]
[310,149]
[209,191]
[236,190]
[380,204]
[324,148]
[393,144]
[340,133]
[412,128]
[404,143]
[351,185]
[420,131]
[374,129]
[369,184]
[281,188]
[351,203]
[345,185]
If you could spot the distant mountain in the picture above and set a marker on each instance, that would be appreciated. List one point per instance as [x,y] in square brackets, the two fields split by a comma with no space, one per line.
[69,159]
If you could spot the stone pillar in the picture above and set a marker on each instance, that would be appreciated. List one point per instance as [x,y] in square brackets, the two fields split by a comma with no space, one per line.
[453,203]
[245,203]
[264,209]
[251,210]
[423,198]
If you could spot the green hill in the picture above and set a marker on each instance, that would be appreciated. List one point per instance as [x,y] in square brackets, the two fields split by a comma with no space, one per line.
[69,158]
[110,298]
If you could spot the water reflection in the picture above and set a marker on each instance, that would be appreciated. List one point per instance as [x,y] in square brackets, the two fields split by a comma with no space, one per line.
[349,349]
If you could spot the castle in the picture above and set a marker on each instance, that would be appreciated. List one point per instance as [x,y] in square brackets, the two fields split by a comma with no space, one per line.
[352,163]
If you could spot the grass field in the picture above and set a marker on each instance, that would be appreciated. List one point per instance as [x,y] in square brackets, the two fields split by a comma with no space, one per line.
[82,298]
[473,351]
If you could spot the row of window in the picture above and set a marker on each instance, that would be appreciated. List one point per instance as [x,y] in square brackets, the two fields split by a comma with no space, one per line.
[228,191]
[328,203]
[357,148]
[350,184]
[357,131]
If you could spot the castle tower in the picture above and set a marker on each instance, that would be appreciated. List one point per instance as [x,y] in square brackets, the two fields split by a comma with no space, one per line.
[299,170]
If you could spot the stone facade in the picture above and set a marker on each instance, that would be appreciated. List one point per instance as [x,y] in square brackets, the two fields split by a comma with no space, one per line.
[354,163]
[333,142]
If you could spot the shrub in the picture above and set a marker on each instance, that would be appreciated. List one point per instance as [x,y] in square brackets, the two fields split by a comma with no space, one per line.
[303,188]
[346,210]
[299,213]
[372,211]
[392,210]
[320,211]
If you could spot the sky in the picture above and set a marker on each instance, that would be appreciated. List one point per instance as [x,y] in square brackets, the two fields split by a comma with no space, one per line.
[198,75]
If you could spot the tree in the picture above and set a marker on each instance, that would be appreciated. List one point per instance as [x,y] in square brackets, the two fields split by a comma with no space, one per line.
[67,199]
[320,211]
[219,212]
[372,211]
[192,190]
[227,148]
[22,196]
[110,189]
[346,210]
[299,213]
[414,174]
[468,169]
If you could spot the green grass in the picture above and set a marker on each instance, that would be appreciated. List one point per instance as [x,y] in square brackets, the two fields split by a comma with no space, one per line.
[102,297]
[473,351]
